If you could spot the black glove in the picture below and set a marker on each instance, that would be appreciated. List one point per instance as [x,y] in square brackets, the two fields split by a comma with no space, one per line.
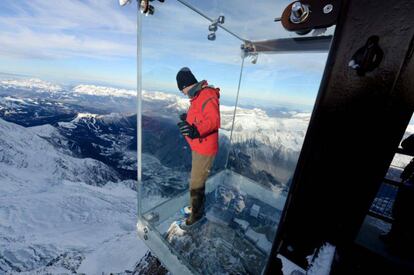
[183,116]
[188,130]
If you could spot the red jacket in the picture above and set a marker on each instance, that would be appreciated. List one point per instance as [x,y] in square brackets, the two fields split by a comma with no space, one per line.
[204,113]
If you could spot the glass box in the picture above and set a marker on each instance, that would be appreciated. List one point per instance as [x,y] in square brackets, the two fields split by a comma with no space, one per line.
[265,106]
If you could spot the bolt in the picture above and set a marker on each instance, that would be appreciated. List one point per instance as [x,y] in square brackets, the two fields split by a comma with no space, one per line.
[328,9]
[299,13]
[297,9]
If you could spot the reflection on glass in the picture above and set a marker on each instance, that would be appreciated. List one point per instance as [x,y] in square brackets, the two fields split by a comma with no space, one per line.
[259,143]
[385,198]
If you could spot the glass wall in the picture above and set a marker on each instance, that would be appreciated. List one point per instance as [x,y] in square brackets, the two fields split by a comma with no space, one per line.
[263,125]
[382,206]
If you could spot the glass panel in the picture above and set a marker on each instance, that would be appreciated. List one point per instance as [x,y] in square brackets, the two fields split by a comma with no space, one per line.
[171,42]
[273,116]
[247,186]
[384,201]
[400,161]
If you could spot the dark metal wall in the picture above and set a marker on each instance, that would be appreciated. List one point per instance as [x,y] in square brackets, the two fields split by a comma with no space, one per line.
[356,126]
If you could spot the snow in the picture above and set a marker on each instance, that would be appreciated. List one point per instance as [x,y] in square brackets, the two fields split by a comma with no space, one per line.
[260,240]
[26,154]
[103,91]
[175,102]
[19,100]
[288,267]
[68,125]
[45,130]
[49,214]
[254,211]
[410,129]
[31,84]
[243,224]
[321,265]
[97,223]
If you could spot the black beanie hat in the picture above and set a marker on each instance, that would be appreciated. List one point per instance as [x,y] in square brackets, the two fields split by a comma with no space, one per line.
[185,78]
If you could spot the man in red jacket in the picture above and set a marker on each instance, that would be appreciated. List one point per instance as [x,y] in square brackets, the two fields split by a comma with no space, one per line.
[200,127]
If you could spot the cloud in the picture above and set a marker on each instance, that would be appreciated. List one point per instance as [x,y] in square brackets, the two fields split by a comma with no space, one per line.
[49,29]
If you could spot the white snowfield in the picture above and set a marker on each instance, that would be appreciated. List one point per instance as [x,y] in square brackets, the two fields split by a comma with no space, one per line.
[103,91]
[50,220]
[254,124]
[31,84]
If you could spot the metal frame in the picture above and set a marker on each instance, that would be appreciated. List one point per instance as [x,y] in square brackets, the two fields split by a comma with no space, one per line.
[315,44]
[355,129]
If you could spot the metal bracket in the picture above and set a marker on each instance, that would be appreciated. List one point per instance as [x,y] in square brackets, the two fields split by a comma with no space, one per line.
[305,15]
[249,50]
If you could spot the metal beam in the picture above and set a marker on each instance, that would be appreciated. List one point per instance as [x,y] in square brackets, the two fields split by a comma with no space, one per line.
[357,124]
[317,44]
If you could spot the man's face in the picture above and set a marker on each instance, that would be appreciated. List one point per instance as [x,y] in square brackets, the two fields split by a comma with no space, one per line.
[187,89]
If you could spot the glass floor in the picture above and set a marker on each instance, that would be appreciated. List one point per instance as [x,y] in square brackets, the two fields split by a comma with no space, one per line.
[234,237]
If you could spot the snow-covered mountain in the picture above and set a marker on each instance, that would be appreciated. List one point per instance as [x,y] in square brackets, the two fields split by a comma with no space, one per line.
[34,84]
[26,152]
[103,91]
[91,98]
[51,221]
[109,138]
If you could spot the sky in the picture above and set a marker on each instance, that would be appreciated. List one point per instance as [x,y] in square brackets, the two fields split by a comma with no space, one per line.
[69,41]
[94,42]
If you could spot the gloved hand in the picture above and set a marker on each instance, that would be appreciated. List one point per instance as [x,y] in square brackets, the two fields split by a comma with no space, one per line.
[188,130]
[183,116]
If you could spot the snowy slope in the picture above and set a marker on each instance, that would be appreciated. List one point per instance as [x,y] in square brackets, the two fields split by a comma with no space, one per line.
[23,153]
[50,220]
[50,224]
